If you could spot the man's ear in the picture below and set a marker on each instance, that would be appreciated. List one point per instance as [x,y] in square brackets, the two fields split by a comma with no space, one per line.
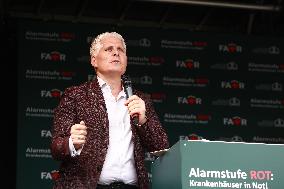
[93,61]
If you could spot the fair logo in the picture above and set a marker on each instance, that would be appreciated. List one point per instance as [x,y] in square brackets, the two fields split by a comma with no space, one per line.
[188,64]
[53,93]
[234,84]
[45,134]
[53,175]
[230,48]
[45,176]
[234,121]
[192,136]
[190,100]
[53,56]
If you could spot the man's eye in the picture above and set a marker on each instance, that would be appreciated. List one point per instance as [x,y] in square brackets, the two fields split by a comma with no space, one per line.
[121,50]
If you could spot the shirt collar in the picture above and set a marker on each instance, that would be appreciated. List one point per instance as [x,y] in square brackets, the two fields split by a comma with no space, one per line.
[103,84]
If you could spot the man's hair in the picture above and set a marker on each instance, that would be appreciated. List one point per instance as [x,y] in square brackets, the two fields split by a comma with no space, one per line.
[97,45]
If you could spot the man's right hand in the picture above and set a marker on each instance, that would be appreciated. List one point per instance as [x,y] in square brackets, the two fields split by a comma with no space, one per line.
[78,135]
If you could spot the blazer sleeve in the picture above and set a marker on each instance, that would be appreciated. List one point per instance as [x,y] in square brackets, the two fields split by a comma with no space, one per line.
[64,118]
[152,135]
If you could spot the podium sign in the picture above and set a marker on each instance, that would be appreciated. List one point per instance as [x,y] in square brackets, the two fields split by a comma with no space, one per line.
[215,164]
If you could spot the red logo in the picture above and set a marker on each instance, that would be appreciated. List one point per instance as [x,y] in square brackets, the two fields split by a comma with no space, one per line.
[55,175]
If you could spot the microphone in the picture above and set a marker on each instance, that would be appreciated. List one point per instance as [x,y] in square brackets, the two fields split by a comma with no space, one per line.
[127,85]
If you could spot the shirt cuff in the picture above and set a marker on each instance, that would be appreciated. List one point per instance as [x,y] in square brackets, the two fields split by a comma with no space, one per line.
[72,149]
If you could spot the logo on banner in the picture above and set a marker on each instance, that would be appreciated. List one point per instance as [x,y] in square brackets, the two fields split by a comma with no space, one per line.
[49,75]
[270,68]
[158,97]
[187,118]
[146,80]
[50,36]
[144,42]
[193,45]
[45,176]
[279,122]
[191,136]
[190,100]
[267,103]
[39,112]
[234,121]
[143,80]
[38,152]
[231,66]
[52,175]
[234,102]
[235,138]
[45,134]
[53,56]
[156,60]
[234,84]
[53,93]
[146,61]
[188,64]
[274,140]
[185,82]
[276,86]
[257,179]
[273,50]
[230,48]
[271,123]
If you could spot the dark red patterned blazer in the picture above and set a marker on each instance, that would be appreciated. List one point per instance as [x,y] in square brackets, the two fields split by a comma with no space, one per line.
[86,102]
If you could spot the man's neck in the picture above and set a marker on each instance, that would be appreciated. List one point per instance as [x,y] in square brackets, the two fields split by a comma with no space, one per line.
[114,83]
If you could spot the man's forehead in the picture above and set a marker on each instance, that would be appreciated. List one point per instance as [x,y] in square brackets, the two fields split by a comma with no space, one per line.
[111,43]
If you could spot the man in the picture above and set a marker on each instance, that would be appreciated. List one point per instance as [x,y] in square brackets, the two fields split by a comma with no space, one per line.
[93,134]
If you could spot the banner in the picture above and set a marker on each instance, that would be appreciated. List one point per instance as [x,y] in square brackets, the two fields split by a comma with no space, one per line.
[210,86]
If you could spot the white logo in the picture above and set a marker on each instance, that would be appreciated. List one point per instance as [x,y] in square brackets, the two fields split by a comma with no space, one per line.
[276,86]
[45,175]
[236,139]
[279,123]
[145,42]
[234,101]
[232,66]
[274,50]
[45,133]
[146,80]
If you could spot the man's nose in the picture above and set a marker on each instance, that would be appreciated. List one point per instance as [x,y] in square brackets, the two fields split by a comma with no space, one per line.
[115,52]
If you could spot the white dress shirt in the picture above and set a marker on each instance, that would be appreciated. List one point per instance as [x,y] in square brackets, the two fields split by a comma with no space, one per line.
[119,163]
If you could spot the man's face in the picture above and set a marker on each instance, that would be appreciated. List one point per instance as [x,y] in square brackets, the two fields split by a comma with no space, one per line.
[111,58]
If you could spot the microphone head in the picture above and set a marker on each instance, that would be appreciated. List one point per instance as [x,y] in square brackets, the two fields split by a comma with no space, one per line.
[126,81]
